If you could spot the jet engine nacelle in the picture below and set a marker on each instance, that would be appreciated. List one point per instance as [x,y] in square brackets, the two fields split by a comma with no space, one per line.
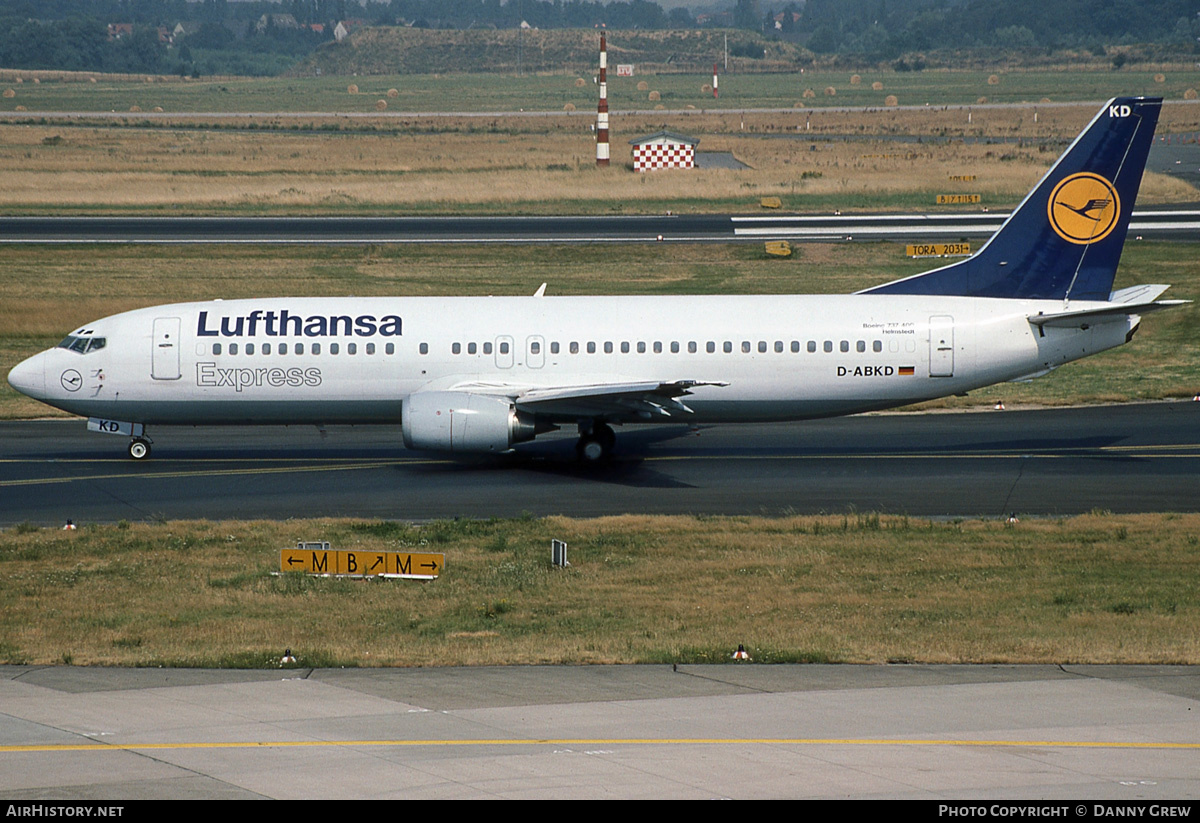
[463,422]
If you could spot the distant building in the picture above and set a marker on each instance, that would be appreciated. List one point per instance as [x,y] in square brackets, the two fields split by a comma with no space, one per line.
[664,150]
[118,30]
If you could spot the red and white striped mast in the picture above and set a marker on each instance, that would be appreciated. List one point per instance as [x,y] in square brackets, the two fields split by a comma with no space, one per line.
[602,108]
[714,81]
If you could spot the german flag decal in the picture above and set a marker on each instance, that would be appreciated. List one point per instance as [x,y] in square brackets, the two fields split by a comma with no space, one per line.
[907,370]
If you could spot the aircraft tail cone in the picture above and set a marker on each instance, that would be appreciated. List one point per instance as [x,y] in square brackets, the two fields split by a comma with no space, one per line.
[741,654]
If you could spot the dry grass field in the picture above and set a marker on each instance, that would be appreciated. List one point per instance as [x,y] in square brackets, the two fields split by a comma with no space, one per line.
[857,588]
[813,160]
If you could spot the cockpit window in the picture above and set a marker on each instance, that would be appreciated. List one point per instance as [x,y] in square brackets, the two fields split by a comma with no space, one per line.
[82,345]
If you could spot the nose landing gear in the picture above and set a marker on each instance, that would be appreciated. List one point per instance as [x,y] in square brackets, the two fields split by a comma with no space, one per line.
[139,447]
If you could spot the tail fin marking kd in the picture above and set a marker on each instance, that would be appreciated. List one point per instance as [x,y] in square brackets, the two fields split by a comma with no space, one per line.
[1064,240]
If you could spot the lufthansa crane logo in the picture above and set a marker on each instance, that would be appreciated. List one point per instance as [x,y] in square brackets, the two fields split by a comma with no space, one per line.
[1083,208]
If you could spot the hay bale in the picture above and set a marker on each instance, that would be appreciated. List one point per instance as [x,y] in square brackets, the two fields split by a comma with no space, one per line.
[91,79]
[393,93]
[158,109]
[20,79]
[993,79]
[808,94]
[580,82]
[135,108]
[1160,78]
[20,108]
[380,104]
[37,81]
[10,93]
[706,89]
[655,96]
[569,107]
[891,100]
[1044,100]
[659,107]
[643,85]
[877,86]
[855,79]
[1190,94]
[830,91]
[352,88]
[797,105]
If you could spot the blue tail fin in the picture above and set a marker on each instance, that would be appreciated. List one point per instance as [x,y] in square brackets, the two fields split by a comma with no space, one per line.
[1064,241]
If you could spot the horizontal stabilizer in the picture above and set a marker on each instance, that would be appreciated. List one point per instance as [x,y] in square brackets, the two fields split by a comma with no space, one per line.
[1134,300]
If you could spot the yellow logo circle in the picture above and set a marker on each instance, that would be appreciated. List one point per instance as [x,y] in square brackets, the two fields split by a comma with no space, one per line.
[1083,208]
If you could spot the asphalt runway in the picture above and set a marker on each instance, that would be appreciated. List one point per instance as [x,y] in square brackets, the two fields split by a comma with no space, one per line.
[1126,458]
[1172,224]
[1123,734]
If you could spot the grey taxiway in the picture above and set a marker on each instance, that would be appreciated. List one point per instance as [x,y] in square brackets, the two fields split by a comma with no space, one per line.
[1125,734]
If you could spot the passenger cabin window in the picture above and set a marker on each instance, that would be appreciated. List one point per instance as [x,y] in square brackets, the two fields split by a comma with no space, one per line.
[370,348]
[333,348]
[423,348]
[216,348]
[352,348]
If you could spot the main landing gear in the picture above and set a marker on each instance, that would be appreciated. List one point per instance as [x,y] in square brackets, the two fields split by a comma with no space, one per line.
[139,447]
[596,441]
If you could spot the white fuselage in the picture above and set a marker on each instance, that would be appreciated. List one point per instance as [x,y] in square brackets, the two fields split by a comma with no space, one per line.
[354,360]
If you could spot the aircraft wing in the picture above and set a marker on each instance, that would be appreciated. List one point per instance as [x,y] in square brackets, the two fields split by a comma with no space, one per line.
[1133,300]
[634,399]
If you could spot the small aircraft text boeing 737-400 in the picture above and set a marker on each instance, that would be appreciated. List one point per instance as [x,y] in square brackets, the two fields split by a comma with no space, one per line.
[480,374]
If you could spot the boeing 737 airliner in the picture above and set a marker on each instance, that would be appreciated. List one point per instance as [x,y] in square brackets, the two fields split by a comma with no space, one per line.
[480,374]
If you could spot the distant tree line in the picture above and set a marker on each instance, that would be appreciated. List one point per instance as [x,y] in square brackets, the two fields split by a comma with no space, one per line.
[219,36]
[887,29]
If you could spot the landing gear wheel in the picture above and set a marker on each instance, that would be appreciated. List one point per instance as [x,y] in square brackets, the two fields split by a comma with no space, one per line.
[596,445]
[590,450]
[139,449]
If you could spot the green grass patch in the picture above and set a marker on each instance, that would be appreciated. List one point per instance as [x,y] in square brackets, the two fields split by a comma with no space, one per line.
[551,92]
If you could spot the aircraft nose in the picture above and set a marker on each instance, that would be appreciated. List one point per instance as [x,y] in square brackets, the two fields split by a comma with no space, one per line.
[29,377]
